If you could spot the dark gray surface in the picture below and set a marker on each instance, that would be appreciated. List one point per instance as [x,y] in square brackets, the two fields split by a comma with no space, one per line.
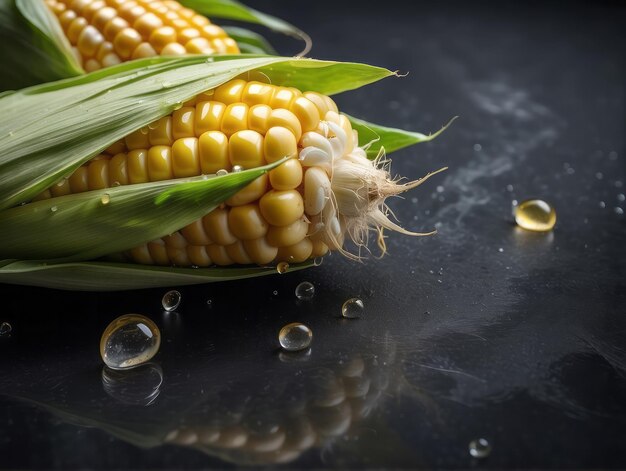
[483,330]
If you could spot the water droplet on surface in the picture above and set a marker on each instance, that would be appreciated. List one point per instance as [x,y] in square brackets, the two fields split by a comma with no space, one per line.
[477,147]
[305,290]
[237,168]
[602,204]
[275,293]
[129,341]
[317,261]
[138,386]
[535,215]
[105,199]
[5,328]
[295,336]
[599,175]
[479,448]
[509,188]
[282,267]
[621,197]
[618,210]
[221,172]
[209,302]
[500,250]
[414,200]
[352,308]
[171,300]
[116,183]
[54,209]
[440,189]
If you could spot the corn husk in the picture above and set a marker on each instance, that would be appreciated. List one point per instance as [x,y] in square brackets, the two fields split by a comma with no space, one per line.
[47,131]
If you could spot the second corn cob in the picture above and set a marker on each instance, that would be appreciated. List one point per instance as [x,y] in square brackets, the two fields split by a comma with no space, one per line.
[106,32]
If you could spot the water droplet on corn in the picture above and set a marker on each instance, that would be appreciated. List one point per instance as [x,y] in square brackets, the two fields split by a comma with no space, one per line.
[479,448]
[295,336]
[105,199]
[535,215]
[129,341]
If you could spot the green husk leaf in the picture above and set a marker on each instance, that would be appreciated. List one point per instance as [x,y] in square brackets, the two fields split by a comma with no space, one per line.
[391,139]
[35,49]
[48,130]
[81,227]
[233,10]
[249,42]
[107,276]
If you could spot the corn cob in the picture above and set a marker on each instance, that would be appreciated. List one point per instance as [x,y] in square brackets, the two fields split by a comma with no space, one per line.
[106,32]
[303,208]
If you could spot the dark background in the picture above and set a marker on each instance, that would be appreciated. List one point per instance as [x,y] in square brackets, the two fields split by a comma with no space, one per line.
[483,330]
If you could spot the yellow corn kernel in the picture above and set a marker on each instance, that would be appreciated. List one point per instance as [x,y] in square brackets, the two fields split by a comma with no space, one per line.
[185,158]
[138,139]
[114,27]
[229,92]
[199,46]
[195,234]
[279,143]
[161,37]
[287,119]
[118,173]
[245,148]
[66,18]
[142,51]
[249,193]
[141,255]
[61,188]
[286,176]
[158,252]
[105,48]
[160,163]
[287,235]
[213,150]
[319,248]
[125,42]
[235,118]
[102,17]
[198,256]
[260,251]
[306,112]
[110,60]
[187,34]
[130,12]
[208,116]
[218,255]
[91,9]
[231,46]
[75,28]
[160,132]
[173,49]
[238,253]
[89,41]
[296,253]
[318,101]
[282,98]
[257,93]
[147,24]
[258,116]
[183,122]
[98,174]
[175,240]
[212,31]
[246,222]
[137,167]
[216,227]
[79,180]
[280,208]
[178,257]
[199,21]
[91,65]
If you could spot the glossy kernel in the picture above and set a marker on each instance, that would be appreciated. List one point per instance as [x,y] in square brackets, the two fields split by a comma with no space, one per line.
[280,208]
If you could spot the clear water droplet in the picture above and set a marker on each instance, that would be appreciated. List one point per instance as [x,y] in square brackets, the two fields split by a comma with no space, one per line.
[602,204]
[53,209]
[618,210]
[305,290]
[317,261]
[275,292]
[500,250]
[479,448]
[116,183]
[209,302]
[477,147]
[295,336]
[352,308]
[138,386]
[621,197]
[105,199]
[509,188]
[221,172]
[171,300]
[237,168]
[440,189]
[535,215]
[414,200]
[599,175]
[282,267]
[129,341]
[153,125]
[5,328]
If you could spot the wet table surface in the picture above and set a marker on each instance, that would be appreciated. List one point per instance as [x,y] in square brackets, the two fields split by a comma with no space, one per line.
[482,331]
